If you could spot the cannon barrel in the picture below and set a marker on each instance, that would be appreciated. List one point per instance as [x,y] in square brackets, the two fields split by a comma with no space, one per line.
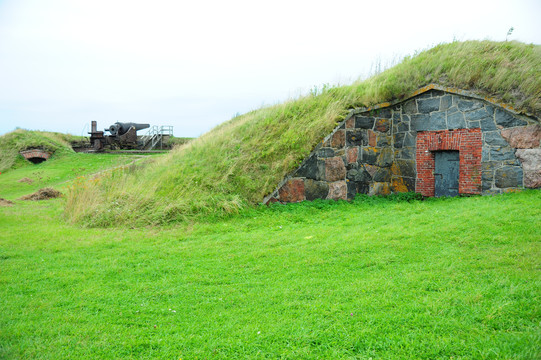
[119,128]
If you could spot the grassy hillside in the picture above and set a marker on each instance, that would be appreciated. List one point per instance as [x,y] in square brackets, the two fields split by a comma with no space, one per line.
[322,280]
[12,143]
[240,161]
[58,172]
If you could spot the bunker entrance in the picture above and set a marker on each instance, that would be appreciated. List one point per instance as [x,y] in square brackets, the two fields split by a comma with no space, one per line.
[36,160]
[446,173]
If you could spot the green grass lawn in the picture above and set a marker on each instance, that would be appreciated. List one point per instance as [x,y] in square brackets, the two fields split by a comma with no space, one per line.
[57,172]
[440,279]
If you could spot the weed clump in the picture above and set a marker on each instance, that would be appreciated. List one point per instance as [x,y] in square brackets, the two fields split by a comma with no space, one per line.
[43,194]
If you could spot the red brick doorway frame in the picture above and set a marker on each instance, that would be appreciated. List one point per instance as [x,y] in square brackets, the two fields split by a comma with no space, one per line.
[469,144]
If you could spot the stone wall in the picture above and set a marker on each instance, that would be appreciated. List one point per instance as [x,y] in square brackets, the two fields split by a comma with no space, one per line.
[377,152]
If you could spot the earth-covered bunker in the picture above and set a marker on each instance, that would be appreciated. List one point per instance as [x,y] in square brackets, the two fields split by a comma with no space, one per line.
[438,142]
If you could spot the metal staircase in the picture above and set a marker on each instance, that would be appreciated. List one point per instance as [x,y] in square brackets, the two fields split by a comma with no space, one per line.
[154,136]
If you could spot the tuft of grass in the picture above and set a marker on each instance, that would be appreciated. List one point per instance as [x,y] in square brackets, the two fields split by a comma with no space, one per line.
[240,161]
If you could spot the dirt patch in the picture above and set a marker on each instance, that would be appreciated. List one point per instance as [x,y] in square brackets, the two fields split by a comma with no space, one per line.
[4,202]
[43,194]
[25,180]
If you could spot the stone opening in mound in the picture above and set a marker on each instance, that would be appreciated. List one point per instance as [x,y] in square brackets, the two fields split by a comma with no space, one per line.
[35,156]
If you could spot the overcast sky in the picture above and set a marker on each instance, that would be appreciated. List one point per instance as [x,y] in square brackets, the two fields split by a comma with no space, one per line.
[194,64]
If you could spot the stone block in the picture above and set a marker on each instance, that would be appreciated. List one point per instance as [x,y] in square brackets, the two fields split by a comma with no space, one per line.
[385,158]
[399,140]
[363,122]
[379,188]
[352,155]
[383,140]
[382,113]
[355,188]
[403,127]
[426,106]
[505,119]
[493,138]
[369,155]
[508,176]
[338,139]
[469,105]
[426,95]
[320,170]
[485,154]
[501,153]
[486,185]
[474,124]
[487,175]
[371,169]
[437,121]
[409,140]
[487,124]
[356,137]
[382,125]
[456,121]
[446,102]
[407,168]
[309,169]
[407,153]
[338,190]
[453,109]
[476,114]
[531,163]
[382,175]
[420,122]
[489,165]
[315,189]
[350,123]
[292,191]
[359,175]
[402,184]
[432,122]
[335,169]
[325,152]
[372,138]
[527,137]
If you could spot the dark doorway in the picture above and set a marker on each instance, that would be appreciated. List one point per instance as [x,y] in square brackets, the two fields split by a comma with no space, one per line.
[36,160]
[446,173]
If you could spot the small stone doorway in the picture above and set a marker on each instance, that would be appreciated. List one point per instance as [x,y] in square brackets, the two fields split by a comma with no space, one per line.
[446,173]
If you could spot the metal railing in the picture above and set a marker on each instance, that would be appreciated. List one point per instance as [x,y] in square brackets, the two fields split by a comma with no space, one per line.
[155,135]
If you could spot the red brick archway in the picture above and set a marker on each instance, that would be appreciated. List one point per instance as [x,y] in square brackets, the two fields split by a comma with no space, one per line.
[35,156]
[469,144]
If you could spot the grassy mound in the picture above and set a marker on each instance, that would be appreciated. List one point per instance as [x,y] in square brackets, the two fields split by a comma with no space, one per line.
[14,142]
[240,161]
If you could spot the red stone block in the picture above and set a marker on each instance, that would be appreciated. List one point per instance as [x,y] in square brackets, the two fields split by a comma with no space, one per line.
[292,191]
[335,169]
[338,140]
[338,190]
[352,154]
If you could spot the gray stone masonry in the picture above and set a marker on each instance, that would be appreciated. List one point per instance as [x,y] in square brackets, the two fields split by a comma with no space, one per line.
[374,152]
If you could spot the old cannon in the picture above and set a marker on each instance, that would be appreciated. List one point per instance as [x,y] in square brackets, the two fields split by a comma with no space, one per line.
[118,128]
